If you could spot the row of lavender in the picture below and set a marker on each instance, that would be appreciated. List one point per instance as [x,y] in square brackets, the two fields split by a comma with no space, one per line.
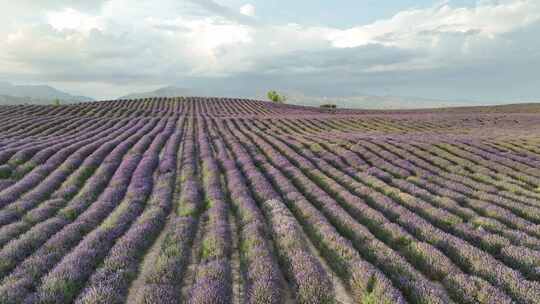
[146,202]
[334,180]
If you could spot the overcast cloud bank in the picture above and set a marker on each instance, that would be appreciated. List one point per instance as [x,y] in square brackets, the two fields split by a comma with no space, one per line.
[105,49]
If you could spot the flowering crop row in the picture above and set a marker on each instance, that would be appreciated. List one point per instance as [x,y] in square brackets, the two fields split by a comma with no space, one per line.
[213,200]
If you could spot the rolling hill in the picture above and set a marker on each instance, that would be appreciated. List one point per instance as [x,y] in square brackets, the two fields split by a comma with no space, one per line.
[35,94]
[168,91]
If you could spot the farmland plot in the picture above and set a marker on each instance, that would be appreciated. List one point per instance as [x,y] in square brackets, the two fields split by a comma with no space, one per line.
[211,200]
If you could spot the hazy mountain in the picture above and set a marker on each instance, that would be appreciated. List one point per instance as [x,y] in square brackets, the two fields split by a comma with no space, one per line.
[35,94]
[169,91]
[363,101]
[371,102]
[11,100]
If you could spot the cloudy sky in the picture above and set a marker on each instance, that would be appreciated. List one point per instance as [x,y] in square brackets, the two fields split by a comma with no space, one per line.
[484,51]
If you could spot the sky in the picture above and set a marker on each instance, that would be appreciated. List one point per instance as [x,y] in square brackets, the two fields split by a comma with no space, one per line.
[484,51]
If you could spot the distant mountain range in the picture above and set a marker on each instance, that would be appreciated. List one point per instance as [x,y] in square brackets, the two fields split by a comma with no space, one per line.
[169,91]
[371,101]
[43,94]
[362,101]
[35,94]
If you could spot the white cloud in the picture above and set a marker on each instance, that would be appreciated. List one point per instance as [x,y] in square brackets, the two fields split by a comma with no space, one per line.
[248,10]
[205,34]
[120,41]
[71,19]
[422,27]
[14,37]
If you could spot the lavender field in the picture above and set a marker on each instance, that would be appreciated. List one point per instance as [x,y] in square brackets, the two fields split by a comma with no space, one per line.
[212,200]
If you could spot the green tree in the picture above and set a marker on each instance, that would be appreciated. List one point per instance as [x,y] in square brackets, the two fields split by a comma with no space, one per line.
[56,102]
[276,97]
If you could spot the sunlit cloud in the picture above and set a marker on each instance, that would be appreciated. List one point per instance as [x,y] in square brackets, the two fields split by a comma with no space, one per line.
[248,10]
[122,41]
[71,19]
